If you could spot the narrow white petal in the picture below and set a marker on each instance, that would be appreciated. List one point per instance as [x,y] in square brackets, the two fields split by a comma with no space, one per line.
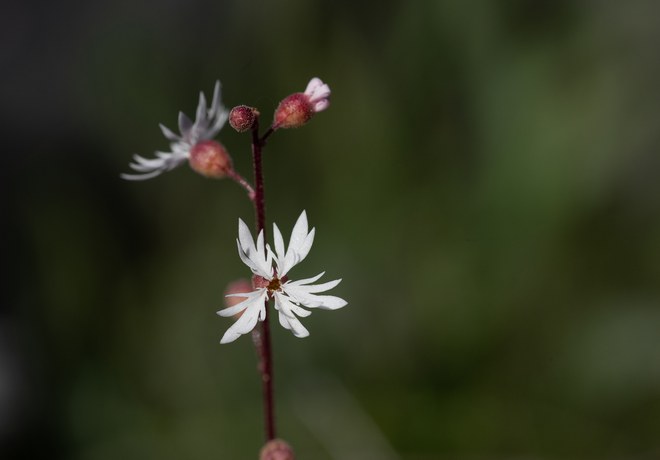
[256,269]
[328,302]
[299,233]
[279,242]
[305,281]
[287,317]
[150,163]
[185,124]
[306,245]
[200,115]
[254,257]
[145,176]
[147,168]
[306,299]
[249,299]
[217,111]
[312,288]
[260,243]
[284,320]
[169,135]
[247,321]
[299,311]
[245,237]
[297,328]
[151,167]
[215,102]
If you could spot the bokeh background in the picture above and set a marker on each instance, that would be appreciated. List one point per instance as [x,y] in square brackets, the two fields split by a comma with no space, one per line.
[486,182]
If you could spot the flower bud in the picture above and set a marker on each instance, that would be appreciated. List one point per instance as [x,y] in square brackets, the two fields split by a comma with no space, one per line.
[210,159]
[242,117]
[293,112]
[276,449]
[241,286]
[298,108]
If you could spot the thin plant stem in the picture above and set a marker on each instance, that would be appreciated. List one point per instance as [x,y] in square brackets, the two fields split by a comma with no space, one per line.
[236,177]
[264,345]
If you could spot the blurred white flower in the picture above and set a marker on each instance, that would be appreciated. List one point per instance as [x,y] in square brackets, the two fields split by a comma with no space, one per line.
[208,122]
[271,282]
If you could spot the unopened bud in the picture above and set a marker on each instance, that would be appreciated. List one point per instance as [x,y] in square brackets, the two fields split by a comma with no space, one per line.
[241,286]
[242,117]
[297,109]
[293,112]
[276,449]
[210,159]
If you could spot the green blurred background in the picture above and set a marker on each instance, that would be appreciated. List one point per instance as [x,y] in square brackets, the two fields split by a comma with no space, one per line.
[486,182]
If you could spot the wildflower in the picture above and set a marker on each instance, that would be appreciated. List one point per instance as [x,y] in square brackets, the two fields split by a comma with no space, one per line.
[298,108]
[208,122]
[271,282]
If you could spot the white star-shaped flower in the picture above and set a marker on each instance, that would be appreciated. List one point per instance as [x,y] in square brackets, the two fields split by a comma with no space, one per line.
[271,281]
[208,122]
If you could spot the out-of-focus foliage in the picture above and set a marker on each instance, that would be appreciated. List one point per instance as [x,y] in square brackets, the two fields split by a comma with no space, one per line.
[486,182]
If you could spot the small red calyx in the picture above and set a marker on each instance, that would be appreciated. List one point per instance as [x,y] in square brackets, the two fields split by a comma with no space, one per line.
[210,159]
[242,117]
[294,111]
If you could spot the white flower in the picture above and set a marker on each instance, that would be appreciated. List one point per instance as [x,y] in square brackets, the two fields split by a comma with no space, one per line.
[208,122]
[318,94]
[272,282]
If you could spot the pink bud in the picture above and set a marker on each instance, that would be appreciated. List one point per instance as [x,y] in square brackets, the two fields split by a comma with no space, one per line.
[210,159]
[242,117]
[297,109]
[276,449]
[293,112]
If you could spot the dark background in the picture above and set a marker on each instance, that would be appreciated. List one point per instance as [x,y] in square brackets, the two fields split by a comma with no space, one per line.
[485,181]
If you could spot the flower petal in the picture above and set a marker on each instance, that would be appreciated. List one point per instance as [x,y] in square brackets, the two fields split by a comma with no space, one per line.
[254,308]
[320,106]
[301,295]
[185,125]
[299,245]
[249,298]
[257,258]
[305,281]
[287,318]
[313,288]
[169,135]
[279,242]
[312,85]
[299,232]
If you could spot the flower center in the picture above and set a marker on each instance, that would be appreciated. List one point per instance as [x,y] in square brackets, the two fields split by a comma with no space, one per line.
[272,285]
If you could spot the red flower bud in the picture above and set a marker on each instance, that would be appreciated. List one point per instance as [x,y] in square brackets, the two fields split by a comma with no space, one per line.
[297,109]
[210,159]
[242,117]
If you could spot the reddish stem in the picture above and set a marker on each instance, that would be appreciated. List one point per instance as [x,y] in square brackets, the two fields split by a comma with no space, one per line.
[265,351]
[242,182]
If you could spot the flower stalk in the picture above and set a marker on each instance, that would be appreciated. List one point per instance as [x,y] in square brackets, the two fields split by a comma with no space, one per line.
[263,344]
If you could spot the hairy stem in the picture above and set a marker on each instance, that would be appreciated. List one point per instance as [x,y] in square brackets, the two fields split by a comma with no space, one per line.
[264,347]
